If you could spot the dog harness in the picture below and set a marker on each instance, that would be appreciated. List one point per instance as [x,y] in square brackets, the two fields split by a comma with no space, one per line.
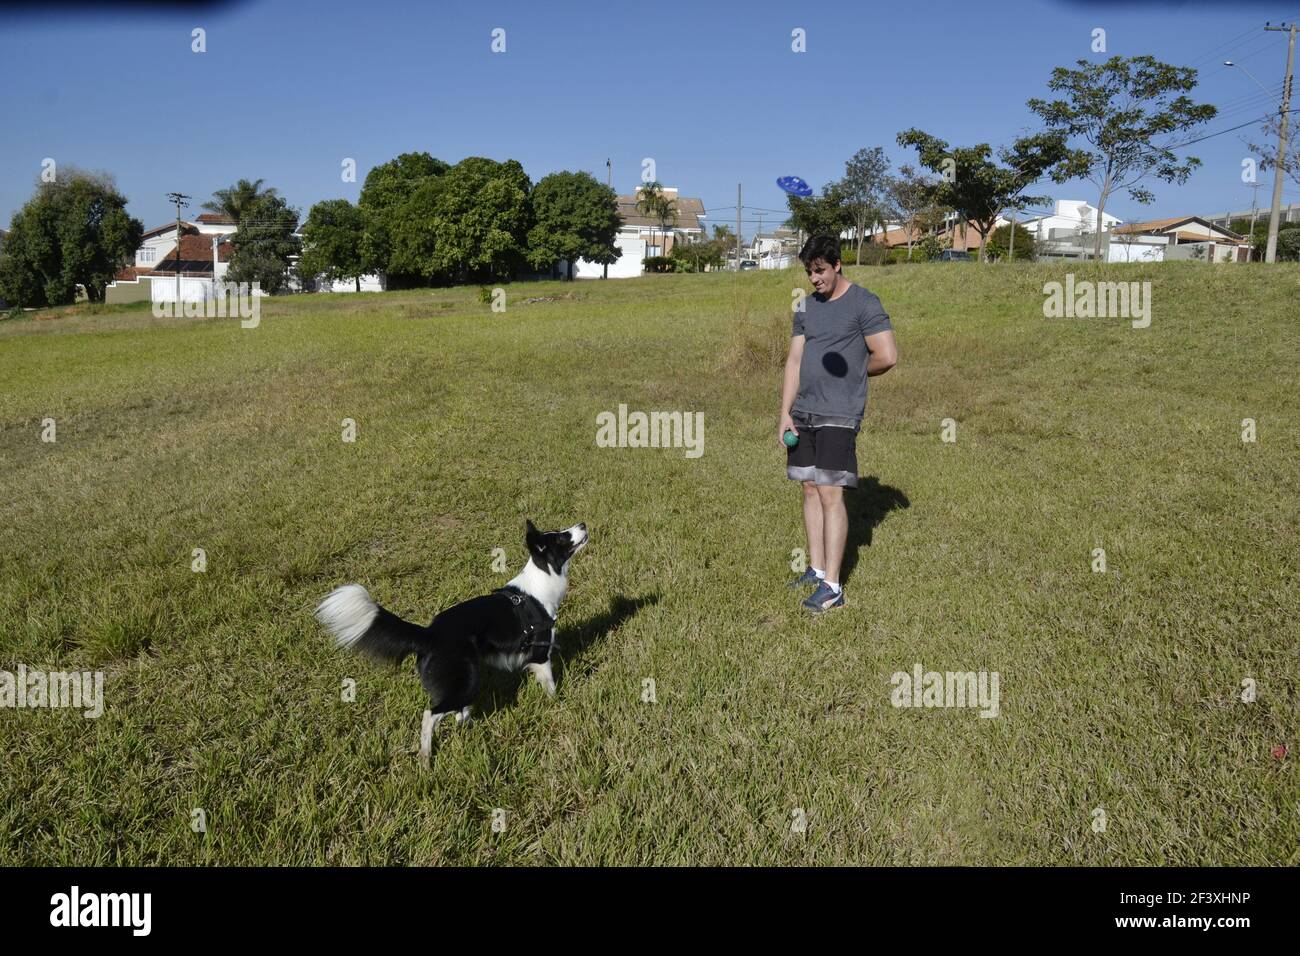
[534,623]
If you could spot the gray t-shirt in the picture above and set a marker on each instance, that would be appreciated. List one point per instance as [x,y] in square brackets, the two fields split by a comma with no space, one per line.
[833,373]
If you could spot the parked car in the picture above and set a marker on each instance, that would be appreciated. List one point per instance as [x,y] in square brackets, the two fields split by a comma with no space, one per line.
[747,264]
[953,255]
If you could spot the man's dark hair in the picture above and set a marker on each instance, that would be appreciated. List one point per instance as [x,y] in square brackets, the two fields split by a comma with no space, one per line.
[826,248]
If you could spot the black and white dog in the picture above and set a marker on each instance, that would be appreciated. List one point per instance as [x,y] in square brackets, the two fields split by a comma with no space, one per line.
[509,629]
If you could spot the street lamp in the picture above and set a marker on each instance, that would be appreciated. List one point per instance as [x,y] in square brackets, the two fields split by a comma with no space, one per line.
[1257,83]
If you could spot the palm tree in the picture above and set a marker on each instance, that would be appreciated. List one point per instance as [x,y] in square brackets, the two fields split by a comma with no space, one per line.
[651,197]
[233,201]
[667,213]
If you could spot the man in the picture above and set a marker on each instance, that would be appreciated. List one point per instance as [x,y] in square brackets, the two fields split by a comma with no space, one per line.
[841,338]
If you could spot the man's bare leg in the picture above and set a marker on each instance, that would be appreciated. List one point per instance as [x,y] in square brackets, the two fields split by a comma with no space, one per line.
[835,524]
[812,522]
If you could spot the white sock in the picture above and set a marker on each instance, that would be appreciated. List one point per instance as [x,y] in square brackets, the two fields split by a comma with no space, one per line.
[834,586]
[821,575]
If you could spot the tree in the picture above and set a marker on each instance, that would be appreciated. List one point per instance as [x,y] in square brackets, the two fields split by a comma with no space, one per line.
[574,217]
[826,214]
[666,213]
[331,242]
[1118,108]
[1000,246]
[237,199]
[865,188]
[695,256]
[469,224]
[74,231]
[909,193]
[650,198]
[387,188]
[263,243]
[976,186]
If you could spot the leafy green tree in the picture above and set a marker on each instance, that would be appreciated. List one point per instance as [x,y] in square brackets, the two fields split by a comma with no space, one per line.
[909,194]
[469,224]
[972,183]
[574,217]
[387,188]
[827,214]
[1117,110]
[237,199]
[1288,245]
[74,231]
[695,256]
[331,242]
[866,192]
[263,243]
[999,243]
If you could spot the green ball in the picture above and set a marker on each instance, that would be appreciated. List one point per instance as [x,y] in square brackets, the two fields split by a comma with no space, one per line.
[790,438]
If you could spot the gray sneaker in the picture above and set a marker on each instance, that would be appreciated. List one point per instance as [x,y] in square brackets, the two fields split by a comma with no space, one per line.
[807,579]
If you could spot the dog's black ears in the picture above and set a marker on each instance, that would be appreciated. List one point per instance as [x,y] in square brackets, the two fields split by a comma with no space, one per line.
[531,536]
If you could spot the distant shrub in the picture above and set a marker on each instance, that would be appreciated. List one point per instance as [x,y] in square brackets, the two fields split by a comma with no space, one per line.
[929,248]
[658,263]
[999,241]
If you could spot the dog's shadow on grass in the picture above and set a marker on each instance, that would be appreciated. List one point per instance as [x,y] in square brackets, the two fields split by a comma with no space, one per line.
[573,643]
[867,505]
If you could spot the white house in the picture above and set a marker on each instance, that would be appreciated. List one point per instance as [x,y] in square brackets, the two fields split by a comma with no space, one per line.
[201,257]
[641,236]
[1068,219]
[775,250]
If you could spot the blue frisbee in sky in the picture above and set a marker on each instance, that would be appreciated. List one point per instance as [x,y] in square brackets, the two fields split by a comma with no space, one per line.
[794,186]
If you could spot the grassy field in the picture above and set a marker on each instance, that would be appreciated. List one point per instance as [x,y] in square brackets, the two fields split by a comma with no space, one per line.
[1120,691]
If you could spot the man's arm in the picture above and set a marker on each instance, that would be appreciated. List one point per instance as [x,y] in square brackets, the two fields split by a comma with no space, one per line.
[790,388]
[883,352]
[792,362]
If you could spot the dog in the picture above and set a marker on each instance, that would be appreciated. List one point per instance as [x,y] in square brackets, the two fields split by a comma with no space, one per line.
[511,629]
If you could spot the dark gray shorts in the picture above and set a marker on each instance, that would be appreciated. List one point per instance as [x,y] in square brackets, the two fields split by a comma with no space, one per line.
[825,455]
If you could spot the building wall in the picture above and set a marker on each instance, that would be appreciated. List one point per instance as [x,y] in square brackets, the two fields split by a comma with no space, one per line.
[1141,251]
[135,291]
[632,249]
[1190,251]
[159,246]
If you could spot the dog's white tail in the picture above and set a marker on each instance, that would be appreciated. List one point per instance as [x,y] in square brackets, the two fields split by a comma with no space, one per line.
[347,613]
[359,624]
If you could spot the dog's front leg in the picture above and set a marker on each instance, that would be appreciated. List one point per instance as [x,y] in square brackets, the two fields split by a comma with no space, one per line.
[543,671]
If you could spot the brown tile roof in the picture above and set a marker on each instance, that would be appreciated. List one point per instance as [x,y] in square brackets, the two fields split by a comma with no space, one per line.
[689,210]
[130,273]
[217,219]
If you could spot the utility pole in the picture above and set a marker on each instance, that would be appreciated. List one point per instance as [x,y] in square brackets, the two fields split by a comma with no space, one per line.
[1270,252]
[180,199]
[758,240]
[1011,243]
[609,181]
[737,228]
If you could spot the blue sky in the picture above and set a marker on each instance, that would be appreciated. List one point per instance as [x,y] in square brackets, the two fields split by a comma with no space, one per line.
[710,90]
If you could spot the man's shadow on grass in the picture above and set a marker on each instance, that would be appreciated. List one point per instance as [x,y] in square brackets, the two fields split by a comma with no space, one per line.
[573,644]
[867,505]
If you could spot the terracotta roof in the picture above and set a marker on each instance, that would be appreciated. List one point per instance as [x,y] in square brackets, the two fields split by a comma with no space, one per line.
[1154,225]
[130,273]
[1197,237]
[196,256]
[217,219]
[1165,226]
